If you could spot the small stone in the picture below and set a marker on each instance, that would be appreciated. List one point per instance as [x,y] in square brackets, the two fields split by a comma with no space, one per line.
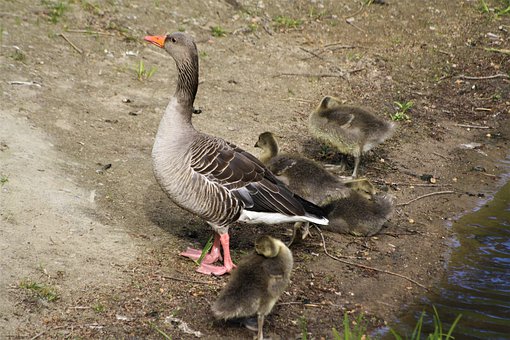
[411,221]
[454,179]
[433,180]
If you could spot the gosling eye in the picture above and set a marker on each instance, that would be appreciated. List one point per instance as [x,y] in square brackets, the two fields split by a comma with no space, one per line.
[172,39]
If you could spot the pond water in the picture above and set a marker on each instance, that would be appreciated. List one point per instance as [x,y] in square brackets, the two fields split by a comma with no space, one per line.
[477,282]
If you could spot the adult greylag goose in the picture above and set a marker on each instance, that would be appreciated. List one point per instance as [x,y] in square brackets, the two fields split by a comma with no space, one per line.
[352,205]
[350,129]
[257,283]
[211,177]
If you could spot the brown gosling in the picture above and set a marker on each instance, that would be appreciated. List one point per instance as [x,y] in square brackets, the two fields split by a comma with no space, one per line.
[351,130]
[256,283]
[357,216]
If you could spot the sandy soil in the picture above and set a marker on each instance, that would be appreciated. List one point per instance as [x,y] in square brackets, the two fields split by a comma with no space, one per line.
[105,239]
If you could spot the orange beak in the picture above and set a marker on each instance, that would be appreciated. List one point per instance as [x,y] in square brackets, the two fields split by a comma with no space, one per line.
[158,40]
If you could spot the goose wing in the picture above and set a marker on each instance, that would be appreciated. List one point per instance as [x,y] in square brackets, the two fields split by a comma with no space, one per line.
[239,172]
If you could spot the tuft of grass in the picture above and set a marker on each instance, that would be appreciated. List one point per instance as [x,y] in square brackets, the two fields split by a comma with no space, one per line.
[498,11]
[40,290]
[437,334]
[218,31]
[4,179]
[99,307]
[358,332]
[143,73]
[18,55]
[484,8]
[55,10]
[304,330]
[163,334]
[402,109]
[285,22]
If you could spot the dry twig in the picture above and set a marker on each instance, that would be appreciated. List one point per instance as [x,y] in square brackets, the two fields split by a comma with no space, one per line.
[186,280]
[366,267]
[499,75]
[426,195]
[380,181]
[318,75]
[472,126]
[71,43]
[90,32]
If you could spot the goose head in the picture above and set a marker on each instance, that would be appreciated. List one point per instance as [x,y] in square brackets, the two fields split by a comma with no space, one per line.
[269,146]
[183,50]
[267,246]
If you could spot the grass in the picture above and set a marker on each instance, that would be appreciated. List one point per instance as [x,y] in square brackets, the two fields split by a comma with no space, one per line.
[4,179]
[402,109]
[218,31]
[18,56]
[40,290]
[304,330]
[143,73]
[55,10]
[498,11]
[437,334]
[163,334]
[285,22]
[99,307]
[357,332]
[205,250]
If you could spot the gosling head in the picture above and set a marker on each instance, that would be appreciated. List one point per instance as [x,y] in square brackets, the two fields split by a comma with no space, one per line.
[363,186]
[269,146]
[267,246]
[328,102]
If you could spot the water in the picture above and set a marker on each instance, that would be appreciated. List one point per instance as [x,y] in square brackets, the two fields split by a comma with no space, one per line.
[477,283]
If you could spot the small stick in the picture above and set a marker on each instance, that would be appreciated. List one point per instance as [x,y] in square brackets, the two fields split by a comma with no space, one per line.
[438,154]
[482,109]
[29,83]
[298,100]
[339,47]
[411,184]
[426,195]
[187,280]
[318,75]
[71,43]
[90,32]
[499,75]
[497,50]
[312,53]
[37,335]
[366,267]
[472,126]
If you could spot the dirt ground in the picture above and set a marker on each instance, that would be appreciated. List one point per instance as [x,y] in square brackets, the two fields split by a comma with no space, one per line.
[89,243]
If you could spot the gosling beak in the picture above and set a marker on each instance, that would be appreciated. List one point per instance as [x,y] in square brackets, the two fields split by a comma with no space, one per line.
[158,40]
[256,145]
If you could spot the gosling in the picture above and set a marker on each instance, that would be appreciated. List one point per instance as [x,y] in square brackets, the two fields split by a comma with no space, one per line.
[256,283]
[351,130]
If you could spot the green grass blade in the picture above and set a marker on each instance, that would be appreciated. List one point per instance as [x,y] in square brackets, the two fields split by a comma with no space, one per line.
[454,324]
[417,329]
[205,250]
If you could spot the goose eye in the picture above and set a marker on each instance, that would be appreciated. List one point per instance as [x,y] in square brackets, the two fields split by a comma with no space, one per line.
[172,40]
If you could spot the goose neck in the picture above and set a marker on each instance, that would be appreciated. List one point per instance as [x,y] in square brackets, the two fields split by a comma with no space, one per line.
[187,81]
